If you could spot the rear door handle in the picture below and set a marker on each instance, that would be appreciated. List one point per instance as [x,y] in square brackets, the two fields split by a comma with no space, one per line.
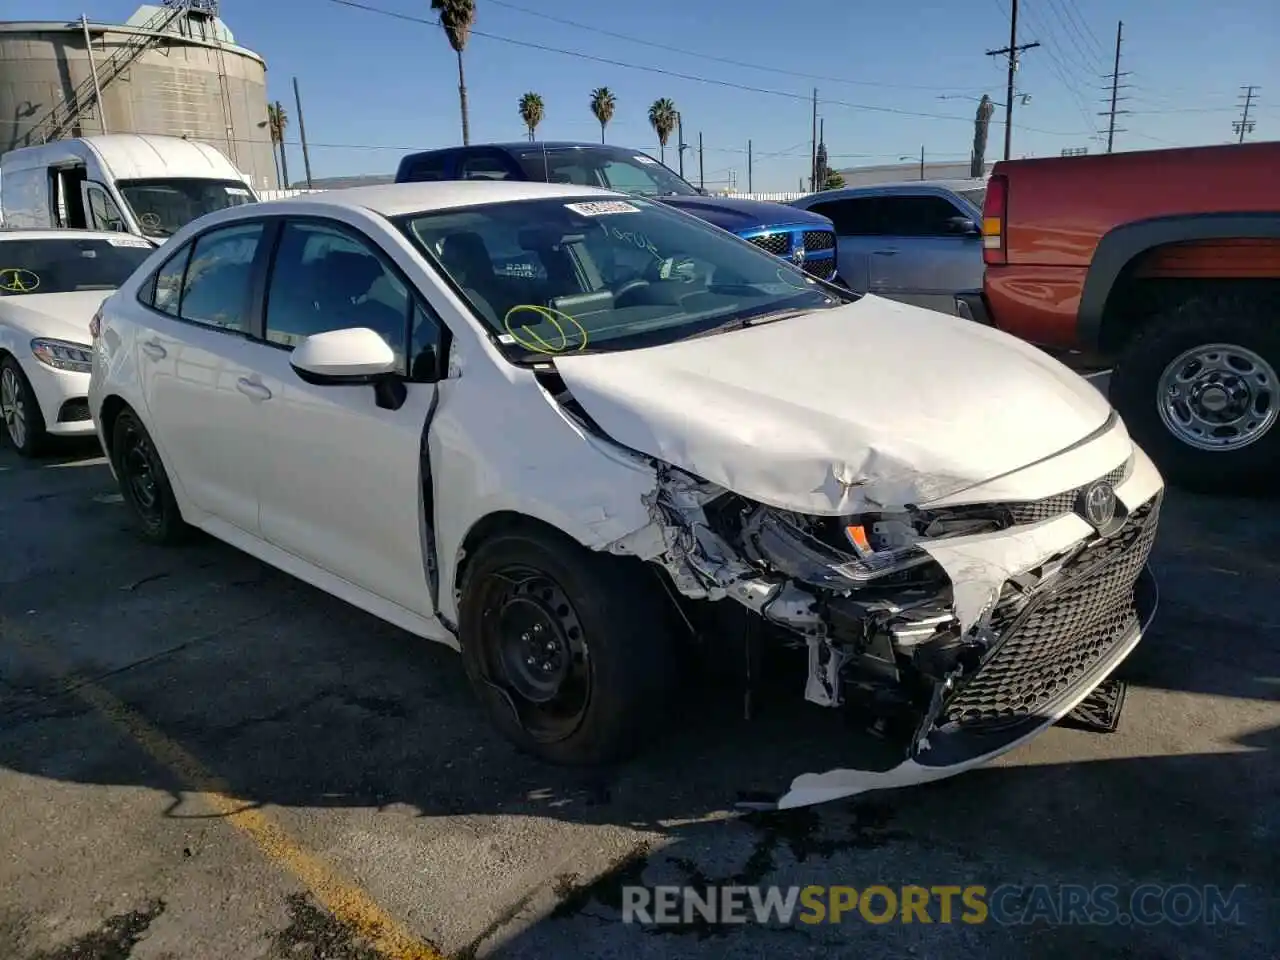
[154,350]
[252,389]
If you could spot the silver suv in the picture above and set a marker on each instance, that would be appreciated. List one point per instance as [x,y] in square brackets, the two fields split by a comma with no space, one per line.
[918,241]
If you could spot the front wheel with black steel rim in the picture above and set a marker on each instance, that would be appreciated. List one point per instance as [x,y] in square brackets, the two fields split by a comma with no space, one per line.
[144,484]
[569,650]
[24,425]
[1199,390]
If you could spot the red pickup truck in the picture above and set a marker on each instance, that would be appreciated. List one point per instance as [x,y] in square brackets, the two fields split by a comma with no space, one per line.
[1165,266]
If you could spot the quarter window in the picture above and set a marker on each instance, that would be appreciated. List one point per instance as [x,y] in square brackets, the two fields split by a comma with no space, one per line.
[325,278]
[219,277]
[166,291]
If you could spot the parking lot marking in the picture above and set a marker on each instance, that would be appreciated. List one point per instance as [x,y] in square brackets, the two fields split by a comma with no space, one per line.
[349,903]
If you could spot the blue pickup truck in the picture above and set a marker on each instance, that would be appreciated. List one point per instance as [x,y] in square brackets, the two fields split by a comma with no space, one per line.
[803,238]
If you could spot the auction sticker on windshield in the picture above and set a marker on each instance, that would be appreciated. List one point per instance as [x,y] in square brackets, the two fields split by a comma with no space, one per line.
[640,159]
[599,208]
[127,242]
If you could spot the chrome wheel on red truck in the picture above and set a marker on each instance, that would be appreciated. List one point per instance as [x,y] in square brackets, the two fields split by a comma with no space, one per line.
[1200,389]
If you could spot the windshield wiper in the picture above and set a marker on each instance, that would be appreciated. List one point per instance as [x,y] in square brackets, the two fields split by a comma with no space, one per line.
[755,320]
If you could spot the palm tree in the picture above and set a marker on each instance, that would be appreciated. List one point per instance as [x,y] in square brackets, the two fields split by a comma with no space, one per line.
[531,111]
[663,117]
[603,103]
[277,122]
[458,17]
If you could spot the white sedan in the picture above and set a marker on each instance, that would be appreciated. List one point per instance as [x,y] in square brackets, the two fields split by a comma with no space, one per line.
[562,470]
[51,282]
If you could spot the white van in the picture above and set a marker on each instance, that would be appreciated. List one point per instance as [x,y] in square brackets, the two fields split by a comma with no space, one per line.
[150,186]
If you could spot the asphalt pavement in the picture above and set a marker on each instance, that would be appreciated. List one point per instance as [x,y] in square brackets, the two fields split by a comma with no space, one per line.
[202,757]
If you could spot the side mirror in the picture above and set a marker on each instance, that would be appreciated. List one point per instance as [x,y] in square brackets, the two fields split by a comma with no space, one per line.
[964,226]
[353,356]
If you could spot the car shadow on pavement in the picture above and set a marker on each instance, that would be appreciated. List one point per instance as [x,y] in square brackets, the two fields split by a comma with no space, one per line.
[297,700]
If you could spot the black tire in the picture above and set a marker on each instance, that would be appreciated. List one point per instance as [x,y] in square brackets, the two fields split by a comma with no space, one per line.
[1241,320]
[144,484]
[32,431]
[619,667]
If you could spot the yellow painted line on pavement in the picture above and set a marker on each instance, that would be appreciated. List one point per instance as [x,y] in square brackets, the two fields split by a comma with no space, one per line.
[349,903]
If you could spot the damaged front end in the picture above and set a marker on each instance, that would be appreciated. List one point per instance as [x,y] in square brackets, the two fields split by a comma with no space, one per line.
[958,632]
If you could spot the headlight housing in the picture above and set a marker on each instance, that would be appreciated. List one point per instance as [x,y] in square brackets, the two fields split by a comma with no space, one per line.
[63,354]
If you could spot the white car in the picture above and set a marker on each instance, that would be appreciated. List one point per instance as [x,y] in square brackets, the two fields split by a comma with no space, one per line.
[51,282]
[559,473]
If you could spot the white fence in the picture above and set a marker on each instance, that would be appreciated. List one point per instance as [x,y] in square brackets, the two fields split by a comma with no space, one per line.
[281,194]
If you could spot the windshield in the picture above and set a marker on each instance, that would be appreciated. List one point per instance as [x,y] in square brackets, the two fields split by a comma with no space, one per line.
[163,207]
[33,267]
[595,274]
[612,168]
[976,197]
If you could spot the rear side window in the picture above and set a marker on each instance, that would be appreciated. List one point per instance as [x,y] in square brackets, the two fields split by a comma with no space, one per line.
[854,217]
[424,169]
[215,292]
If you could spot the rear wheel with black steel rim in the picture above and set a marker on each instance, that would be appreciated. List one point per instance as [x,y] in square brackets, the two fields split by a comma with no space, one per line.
[144,484]
[569,650]
[24,425]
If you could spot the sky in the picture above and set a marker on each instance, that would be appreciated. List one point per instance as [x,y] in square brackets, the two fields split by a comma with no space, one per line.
[891,78]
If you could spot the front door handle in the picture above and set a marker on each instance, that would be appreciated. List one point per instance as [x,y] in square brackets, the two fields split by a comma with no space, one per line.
[154,350]
[886,253]
[252,389]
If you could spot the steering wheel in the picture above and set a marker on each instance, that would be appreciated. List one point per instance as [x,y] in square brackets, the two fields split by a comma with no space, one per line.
[627,286]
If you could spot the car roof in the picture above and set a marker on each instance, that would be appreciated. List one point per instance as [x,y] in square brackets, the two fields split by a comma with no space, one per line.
[523,146]
[396,199]
[955,186]
[64,233]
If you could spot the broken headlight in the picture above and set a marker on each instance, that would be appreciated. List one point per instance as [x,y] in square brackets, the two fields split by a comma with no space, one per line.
[808,549]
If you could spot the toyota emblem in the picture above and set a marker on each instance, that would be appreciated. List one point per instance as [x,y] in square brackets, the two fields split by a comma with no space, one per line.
[1098,504]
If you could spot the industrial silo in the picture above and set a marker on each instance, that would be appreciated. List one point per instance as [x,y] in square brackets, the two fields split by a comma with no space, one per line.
[172,69]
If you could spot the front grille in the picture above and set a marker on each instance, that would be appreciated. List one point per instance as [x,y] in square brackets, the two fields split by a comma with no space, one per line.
[819,268]
[74,411]
[816,240]
[779,244]
[1060,636]
[1033,511]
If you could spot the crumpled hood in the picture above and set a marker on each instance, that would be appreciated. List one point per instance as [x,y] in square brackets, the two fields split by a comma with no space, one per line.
[59,316]
[871,404]
[736,215]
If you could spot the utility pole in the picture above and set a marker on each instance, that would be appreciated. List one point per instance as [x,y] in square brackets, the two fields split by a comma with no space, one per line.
[1116,85]
[748,166]
[701,182]
[813,147]
[922,161]
[1011,51]
[302,132]
[680,145]
[1244,124]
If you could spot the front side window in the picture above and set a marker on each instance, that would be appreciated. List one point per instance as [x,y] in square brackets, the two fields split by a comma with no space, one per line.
[852,217]
[35,267]
[103,212]
[219,277]
[609,167]
[919,216]
[163,207]
[327,278]
[612,273]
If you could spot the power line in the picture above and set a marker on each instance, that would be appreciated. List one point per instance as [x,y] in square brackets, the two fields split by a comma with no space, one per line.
[1061,12]
[805,98]
[706,56]
[1244,124]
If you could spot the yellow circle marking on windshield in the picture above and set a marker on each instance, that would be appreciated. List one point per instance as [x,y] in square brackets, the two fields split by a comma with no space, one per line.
[149,219]
[17,280]
[550,315]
